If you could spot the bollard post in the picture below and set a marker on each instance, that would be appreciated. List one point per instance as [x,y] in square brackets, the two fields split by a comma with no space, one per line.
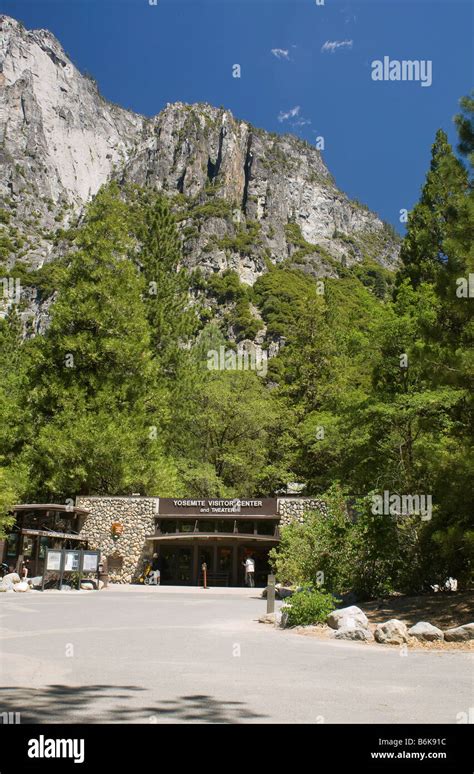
[271,594]
[204,572]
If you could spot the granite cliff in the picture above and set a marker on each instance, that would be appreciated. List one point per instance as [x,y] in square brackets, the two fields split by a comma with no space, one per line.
[243,196]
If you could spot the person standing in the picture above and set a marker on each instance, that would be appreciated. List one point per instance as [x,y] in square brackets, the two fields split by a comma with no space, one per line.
[156,570]
[249,565]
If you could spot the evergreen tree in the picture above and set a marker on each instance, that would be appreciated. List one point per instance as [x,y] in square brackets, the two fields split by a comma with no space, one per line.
[14,416]
[465,126]
[167,284]
[98,411]
[424,249]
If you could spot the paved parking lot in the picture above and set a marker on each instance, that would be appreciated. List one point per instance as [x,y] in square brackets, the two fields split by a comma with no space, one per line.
[161,655]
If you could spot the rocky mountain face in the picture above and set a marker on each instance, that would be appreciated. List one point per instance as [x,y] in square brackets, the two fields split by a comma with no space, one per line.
[243,196]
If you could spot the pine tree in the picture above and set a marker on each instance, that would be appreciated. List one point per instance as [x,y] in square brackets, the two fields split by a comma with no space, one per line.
[14,415]
[465,126]
[97,409]
[167,294]
[424,249]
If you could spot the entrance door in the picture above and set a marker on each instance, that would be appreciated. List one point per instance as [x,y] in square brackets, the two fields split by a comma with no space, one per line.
[177,565]
[262,565]
[224,564]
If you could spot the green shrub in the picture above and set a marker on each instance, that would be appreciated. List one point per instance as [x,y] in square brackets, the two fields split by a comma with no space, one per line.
[309,607]
[245,325]
[244,240]
[226,287]
[321,544]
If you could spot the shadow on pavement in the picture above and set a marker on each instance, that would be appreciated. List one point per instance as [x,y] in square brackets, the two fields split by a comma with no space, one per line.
[111,704]
[204,709]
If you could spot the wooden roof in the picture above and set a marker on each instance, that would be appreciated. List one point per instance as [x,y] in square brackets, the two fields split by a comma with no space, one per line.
[49,507]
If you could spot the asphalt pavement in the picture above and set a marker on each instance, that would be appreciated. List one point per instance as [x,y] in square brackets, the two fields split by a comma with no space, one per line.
[162,655]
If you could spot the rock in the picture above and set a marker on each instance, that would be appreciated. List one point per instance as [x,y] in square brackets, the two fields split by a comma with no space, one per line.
[393,632]
[22,586]
[267,618]
[64,587]
[36,581]
[425,632]
[284,619]
[460,633]
[347,618]
[271,618]
[284,592]
[87,586]
[11,577]
[353,633]
[281,592]
[8,582]
[55,158]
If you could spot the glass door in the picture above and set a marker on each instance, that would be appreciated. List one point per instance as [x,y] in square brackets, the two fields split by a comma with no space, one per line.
[176,565]
[184,566]
[224,564]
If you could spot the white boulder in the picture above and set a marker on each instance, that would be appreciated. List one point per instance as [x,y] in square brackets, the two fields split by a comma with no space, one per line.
[21,586]
[353,633]
[426,632]
[460,633]
[8,581]
[347,618]
[11,577]
[271,618]
[393,632]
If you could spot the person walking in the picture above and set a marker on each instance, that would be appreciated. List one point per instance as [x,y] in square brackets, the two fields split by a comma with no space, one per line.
[249,565]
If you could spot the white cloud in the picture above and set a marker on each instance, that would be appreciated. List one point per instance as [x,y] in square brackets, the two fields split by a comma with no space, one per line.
[334,45]
[291,114]
[281,53]
[296,120]
[302,122]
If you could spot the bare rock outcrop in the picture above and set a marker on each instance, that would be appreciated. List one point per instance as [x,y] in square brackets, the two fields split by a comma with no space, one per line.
[244,196]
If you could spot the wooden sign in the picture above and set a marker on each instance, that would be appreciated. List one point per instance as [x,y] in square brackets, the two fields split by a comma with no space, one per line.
[117,529]
[114,563]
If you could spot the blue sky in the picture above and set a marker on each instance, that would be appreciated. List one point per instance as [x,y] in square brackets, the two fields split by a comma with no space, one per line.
[377,135]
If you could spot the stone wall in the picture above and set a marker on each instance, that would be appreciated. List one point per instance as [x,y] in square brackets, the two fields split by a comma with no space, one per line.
[293,508]
[126,553]
[136,514]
